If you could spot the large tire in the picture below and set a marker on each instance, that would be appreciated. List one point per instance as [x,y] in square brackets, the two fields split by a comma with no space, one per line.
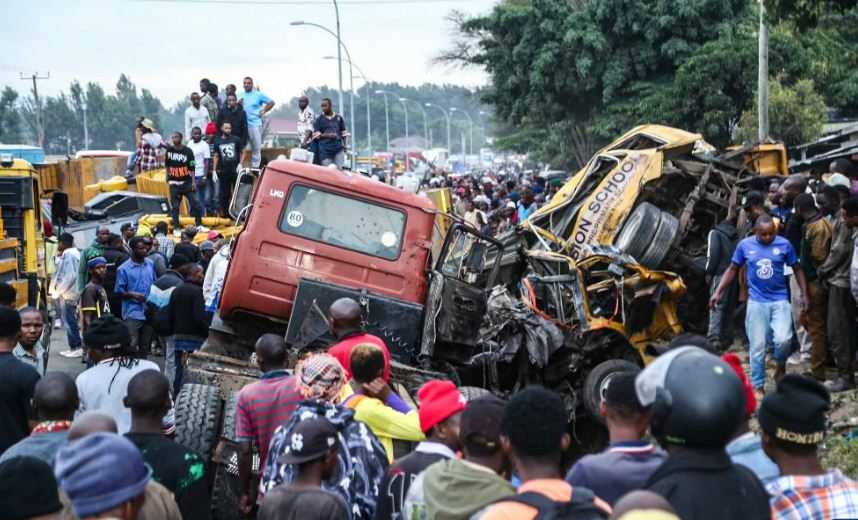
[229,409]
[225,492]
[597,380]
[662,241]
[639,230]
[198,414]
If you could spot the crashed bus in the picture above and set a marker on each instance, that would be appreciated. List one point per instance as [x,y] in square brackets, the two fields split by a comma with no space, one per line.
[589,286]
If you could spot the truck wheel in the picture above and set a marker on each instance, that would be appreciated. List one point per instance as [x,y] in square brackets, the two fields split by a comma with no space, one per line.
[473,392]
[597,381]
[229,409]
[662,241]
[225,493]
[198,413]
[639,230]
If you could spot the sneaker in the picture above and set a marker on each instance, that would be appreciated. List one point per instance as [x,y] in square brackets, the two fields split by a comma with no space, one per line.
[78,352]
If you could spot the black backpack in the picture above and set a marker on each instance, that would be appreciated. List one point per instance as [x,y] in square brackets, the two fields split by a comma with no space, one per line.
[580,507]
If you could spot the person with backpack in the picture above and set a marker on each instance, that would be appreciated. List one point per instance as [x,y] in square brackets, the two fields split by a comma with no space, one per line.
[533,434]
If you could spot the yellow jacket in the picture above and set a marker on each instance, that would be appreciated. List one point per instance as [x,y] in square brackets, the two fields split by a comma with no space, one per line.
[386,423]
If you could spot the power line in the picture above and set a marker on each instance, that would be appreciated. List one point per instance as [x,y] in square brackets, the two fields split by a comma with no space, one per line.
[306,2]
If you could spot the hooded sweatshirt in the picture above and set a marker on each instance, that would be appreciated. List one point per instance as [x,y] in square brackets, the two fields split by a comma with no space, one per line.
[722,242]
[454,489]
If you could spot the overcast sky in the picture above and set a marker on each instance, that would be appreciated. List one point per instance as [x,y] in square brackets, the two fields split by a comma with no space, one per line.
[167,46]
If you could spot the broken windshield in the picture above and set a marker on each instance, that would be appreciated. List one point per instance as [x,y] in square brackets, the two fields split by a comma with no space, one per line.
[343,222]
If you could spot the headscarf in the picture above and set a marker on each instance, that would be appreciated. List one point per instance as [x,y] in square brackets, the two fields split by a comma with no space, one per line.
[321,377]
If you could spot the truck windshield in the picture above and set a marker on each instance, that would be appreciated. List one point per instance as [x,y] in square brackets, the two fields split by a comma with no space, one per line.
[343,222]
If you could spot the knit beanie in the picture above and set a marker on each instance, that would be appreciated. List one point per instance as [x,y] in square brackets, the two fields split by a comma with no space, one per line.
[438,400]
[28,489]
[100,472]
[796,411]
[750,400]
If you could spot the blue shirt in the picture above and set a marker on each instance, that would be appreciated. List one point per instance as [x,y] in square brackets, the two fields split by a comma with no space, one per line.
[134,277]
[747,450]
[253,102]
[328,148]
[623,467]
[525,211]
[765,267]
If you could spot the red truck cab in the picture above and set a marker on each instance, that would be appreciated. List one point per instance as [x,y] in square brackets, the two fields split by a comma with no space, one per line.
[315,223]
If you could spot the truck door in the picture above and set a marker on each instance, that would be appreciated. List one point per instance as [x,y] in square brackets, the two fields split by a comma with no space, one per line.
[458,290]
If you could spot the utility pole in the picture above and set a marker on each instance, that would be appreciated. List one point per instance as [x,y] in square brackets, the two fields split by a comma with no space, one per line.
[763,78]
[40,130]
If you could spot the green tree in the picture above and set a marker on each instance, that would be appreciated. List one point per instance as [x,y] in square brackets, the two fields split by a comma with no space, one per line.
[805,13]
[10,121]
[796,114]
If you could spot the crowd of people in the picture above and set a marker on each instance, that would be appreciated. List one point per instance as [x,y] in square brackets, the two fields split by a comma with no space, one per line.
[335,440]
[794,242]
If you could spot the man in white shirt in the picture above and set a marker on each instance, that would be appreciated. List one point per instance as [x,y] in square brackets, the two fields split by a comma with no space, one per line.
[202,156]
[103,387]
[306,118]
[213,283]
[63,288]
[195,115]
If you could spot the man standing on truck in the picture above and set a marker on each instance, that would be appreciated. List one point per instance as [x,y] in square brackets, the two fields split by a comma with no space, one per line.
[195,115]
[202,156]
[180,176]
[235,115]
[226,158]
[329,131]
[306,119]
[146,156]
[344,317]
[256,105]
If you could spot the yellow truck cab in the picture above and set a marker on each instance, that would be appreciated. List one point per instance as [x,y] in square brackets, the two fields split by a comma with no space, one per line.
[22,245]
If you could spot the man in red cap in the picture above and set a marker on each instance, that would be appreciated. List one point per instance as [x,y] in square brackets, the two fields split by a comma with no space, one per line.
[441,407]
[746,448]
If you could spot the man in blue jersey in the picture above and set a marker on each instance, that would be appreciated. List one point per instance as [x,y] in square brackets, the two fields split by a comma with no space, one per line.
[768,314]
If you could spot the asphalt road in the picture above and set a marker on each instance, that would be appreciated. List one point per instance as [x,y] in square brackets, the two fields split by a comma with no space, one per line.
[73,366]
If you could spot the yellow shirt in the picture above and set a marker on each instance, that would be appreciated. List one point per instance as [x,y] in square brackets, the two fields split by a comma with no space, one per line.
[386,423]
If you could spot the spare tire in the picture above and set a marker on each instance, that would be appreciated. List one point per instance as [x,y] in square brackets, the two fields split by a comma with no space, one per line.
[639,230]
[226,494]
[198,413]
[597,381]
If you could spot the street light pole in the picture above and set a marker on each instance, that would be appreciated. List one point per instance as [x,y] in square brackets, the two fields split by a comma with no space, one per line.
[425,121]
[446,115]
[470,127]
[405,108]
[386,116]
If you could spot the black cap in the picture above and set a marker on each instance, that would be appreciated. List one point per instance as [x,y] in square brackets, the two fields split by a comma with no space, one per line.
[309,440]
[107,332]
[28,488]
[178,260]
[480,425]
[796,411]
[620,390]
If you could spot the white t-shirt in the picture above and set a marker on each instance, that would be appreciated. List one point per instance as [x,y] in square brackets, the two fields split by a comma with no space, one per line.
[100,391]
[198,117]
[201,152]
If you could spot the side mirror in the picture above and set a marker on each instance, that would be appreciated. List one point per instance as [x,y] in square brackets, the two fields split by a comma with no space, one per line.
[242,194]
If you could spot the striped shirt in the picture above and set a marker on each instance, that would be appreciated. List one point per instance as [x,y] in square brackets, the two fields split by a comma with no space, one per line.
[263,406]
[817,497]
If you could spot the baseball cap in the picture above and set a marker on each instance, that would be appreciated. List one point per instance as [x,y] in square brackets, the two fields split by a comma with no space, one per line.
[207,245]
[480,426]
[213,235]
[310,439]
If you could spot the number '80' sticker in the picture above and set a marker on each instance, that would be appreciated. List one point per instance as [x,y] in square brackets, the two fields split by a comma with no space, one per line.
[295,218]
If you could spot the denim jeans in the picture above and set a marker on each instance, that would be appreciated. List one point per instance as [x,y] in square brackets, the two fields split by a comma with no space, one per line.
[721,317]
[169,359]
[768,321]
[339,160]
[212,201]
[203,188]
[254,139]
[71,318]
[177,191]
